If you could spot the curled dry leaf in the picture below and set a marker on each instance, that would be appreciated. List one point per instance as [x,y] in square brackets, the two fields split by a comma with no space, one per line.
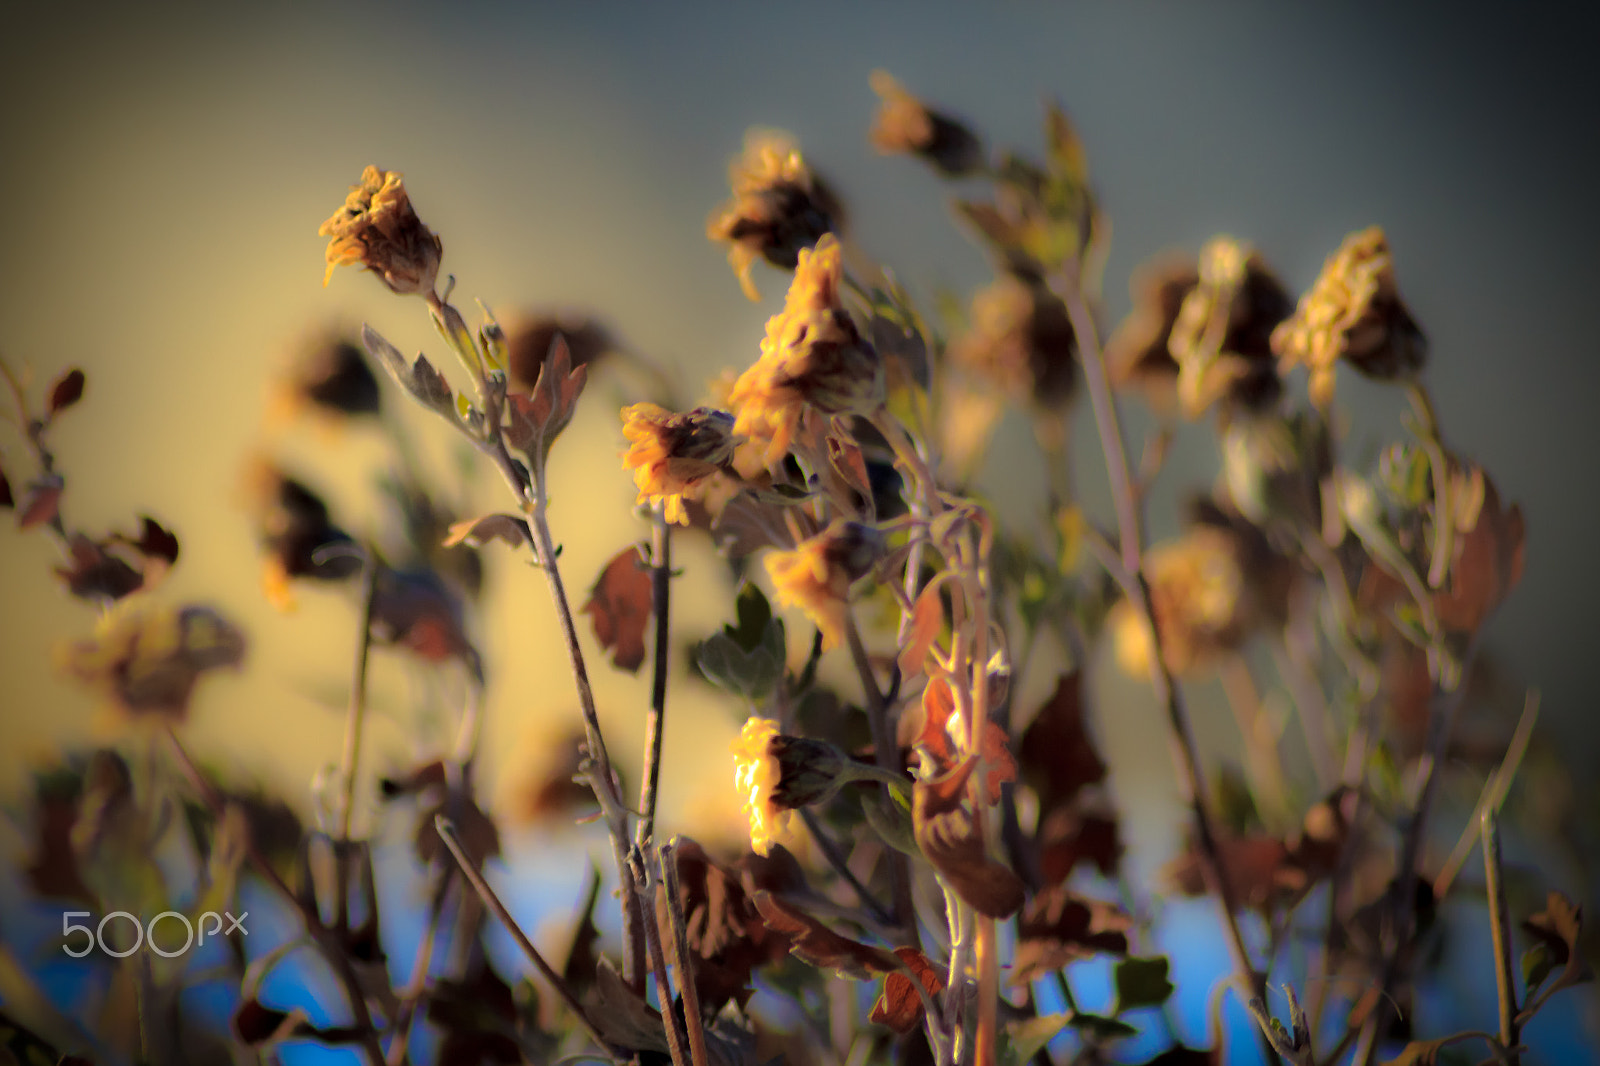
[536,418]
[931,732]
[620,605]
[1068,836]
[952,838]
[727,937]
[813,942]
[477,532]
[41,501]
[622,1015]
[898,1005]
[1058,927]
[1265,871]
[66,391]
[927,619]
[425,384]
[1556,931]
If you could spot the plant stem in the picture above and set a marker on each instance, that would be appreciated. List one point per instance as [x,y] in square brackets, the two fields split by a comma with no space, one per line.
[836,859]
[1500,933]
[327,943]
[447,833]
[679,954]
[887,754]
[656,720]
[1186,752]
[1260,744]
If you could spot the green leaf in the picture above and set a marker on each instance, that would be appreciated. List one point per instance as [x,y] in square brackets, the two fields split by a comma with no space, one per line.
[1537,963]
[1099,1027]
[1027,1038]
[752,613]
[1142,983]
[751,675]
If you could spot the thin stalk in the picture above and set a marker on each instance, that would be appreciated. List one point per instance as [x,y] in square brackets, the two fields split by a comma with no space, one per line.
[1494,794]
[836,859]
[447,833]
[677,1039]
[1186,752]
[886,751]
[1293,658]
[355,716]
[679,953]
[1500,933]
[656,720]
[1260,743]
[327,943]
[417,986]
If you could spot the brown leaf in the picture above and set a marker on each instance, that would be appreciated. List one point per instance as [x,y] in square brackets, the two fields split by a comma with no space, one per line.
[53,867]
[6,499]
[67,390]
[476,1017]
[930,732]
[727,937]
[813,942]
[558,793]
[41,501]
[1488,554]
[622,1015]
[479,836]
[155,541]
[1058,927]
[96,574]
[1056,754]
[1067,836]
[1557,929]
[899,1006]
[620,606]
[1256,867]
[477,532]
[844,455]
[927,619]
[417,611]
[952,839]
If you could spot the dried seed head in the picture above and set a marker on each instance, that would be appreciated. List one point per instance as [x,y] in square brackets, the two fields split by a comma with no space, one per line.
[905,125]
[779,207]
[1021,342]
[1353,311]
[378,229]
[1221,339]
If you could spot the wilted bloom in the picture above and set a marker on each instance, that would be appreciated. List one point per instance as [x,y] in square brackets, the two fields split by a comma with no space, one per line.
[1200,600]
[378,229]
[813,357]
[145,657]
[906,126]
[528,345]
[1022,342]
[331,376]
[296,532]
[779,207]
[816,576]
[1221,338]
[1354,312]
[673,455]
[1137,353]
[777,773]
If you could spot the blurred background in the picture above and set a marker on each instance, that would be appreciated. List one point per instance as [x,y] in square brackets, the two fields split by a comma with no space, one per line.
[165,170]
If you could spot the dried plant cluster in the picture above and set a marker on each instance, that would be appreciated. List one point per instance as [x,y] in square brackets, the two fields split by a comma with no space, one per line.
[928,853]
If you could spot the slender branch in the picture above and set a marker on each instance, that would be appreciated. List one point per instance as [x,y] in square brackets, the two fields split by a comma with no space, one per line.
[887,754]
[417,985]
[836,859]
[1185,748]
[331,948]
[1500,934]
[646,884]
[447,833]
[679,953]
[1494,794]
[656,721]
[1260,743]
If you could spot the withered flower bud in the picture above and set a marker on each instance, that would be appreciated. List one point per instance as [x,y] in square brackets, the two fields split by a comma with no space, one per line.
[777,774]
[779,206]
[1354,312]
[1022,342]
[330,375]
[1221,338]
[1137,353]
[378,229]
[296,531]
[145,658]
[673,455]
[816,576]
[906,126]
[528,345]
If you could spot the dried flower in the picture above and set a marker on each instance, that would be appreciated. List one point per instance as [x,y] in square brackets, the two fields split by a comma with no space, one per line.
[1201,603]
[1137,353]
[330,376]
[816,576]
[813,357]
[295,529]
[145,657]
[672,455]
[906,126]
[779,207]
[528,345]
[378,229]
[1354,312]
[1022,342]
[1221,338]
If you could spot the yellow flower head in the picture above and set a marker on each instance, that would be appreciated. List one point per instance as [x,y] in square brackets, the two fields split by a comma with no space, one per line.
[1202,604]
[1354,312]
[816,576]
[779,207]
[813,357]
[756,774]
[672,455]
[145,658]
[378,229]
